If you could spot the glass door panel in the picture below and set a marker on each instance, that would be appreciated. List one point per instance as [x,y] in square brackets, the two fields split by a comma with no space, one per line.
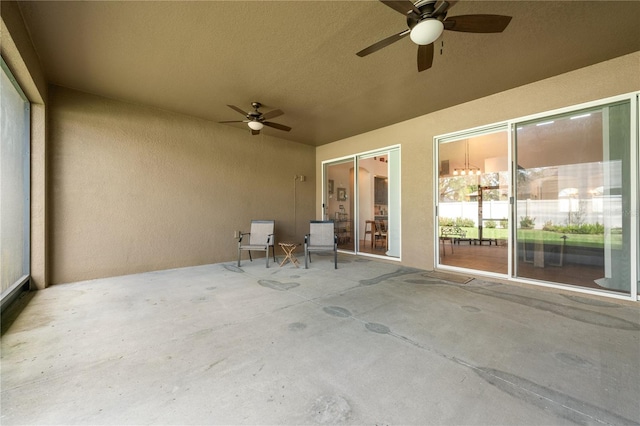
[338,203]
[365,206]
[572,189]
[373,203]
[372,193]
[378,222]
[473,202]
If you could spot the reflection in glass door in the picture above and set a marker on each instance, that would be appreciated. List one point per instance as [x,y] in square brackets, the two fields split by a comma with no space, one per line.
[572,189]
[473,202]
[338,200]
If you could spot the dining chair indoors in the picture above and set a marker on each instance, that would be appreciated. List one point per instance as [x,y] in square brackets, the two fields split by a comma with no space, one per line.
[369,229]
[381,234]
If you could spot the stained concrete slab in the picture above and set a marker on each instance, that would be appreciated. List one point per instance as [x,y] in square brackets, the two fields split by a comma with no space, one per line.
[369,343]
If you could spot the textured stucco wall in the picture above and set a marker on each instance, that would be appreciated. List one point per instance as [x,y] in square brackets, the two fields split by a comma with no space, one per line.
[139,189]
[610,78]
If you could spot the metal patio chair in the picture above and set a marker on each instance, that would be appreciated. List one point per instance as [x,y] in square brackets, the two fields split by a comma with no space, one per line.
[321,237]
[260,238]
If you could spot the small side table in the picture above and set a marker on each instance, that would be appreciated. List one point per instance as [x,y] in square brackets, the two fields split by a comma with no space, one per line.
[288,249]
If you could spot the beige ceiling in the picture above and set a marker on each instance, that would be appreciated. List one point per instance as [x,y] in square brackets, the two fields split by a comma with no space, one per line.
[195,57]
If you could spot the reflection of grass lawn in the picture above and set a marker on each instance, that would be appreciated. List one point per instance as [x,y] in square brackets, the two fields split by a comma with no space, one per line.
[493,233]
[532,235]
[581,240]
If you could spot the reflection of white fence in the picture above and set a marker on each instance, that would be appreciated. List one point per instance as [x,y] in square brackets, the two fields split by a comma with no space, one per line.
[491,210]
[556,211]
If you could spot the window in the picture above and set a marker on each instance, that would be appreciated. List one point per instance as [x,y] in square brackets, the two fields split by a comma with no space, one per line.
[14,185]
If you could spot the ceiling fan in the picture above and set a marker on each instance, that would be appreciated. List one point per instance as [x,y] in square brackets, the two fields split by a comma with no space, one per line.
[426,22]
[256,120]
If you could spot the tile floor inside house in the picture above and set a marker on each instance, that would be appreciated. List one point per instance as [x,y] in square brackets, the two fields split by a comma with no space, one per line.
[494,258]
[370,343]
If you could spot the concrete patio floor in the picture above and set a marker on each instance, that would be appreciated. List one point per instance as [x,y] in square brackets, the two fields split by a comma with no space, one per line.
[369,343]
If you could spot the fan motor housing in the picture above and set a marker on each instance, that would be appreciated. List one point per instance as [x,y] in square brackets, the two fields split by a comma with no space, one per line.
[421,3]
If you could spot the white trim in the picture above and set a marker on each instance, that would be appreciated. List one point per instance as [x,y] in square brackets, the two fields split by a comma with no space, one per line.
[568,109]
[346,157]
[577,289]
[395,207]
[373,255]
[474,131]
[366,154]
[513,188]
[635,198]
[372,152]
[435,190]
[475,272]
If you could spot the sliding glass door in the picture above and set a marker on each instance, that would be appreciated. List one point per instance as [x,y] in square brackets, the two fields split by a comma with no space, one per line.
[365,206]
[573,184]
[552,198]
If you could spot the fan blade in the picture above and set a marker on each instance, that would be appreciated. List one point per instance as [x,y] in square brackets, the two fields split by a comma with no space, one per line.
[235,108]
[234,121]
[382,43]
[477,23]
[272,114]
[402,6]
[255,132]
[277,126]
[425,57]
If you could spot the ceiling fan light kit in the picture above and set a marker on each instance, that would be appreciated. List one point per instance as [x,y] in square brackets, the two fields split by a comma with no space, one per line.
[426,32]
[255,125]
